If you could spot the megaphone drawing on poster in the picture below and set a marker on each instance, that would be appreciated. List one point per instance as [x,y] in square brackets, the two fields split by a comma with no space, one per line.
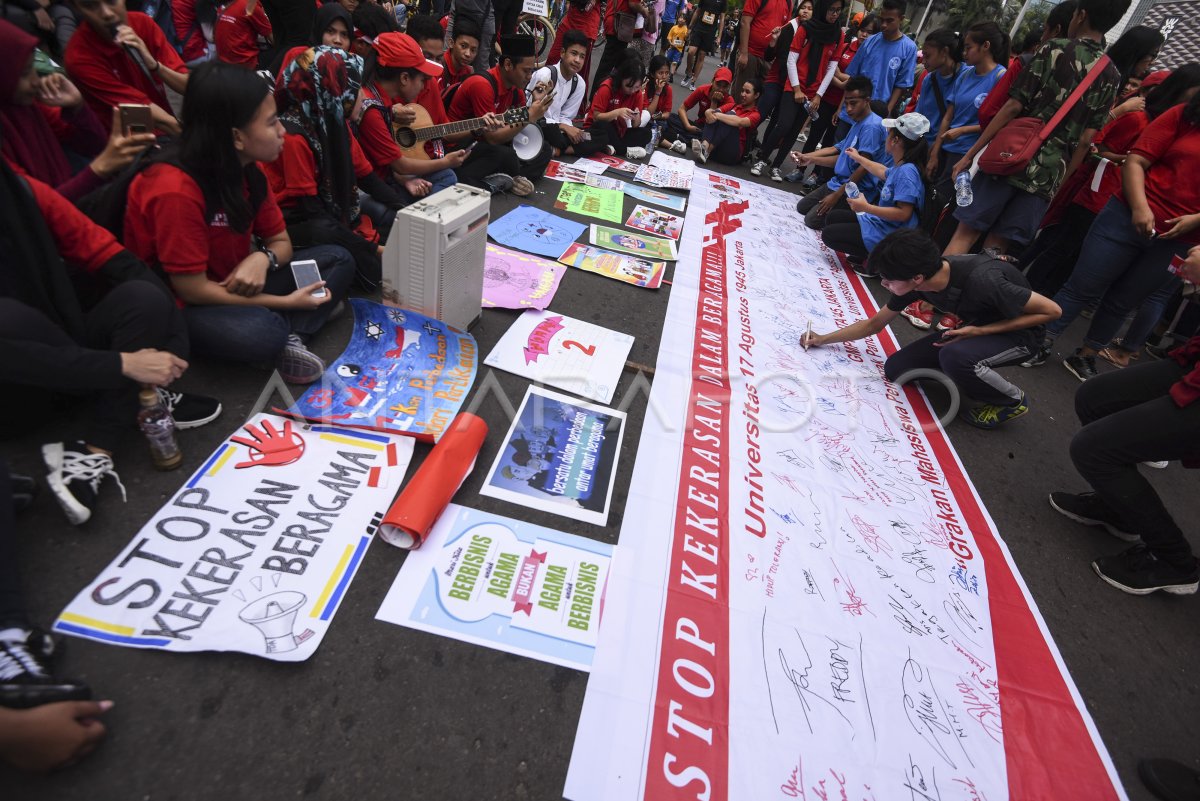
[274,616]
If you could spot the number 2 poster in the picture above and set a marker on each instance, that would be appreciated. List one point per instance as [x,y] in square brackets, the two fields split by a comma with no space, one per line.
[563,352]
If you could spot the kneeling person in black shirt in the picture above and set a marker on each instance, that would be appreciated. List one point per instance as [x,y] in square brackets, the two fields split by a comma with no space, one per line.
[1002,321]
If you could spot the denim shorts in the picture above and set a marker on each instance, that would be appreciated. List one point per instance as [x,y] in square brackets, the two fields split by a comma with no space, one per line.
[1002,209]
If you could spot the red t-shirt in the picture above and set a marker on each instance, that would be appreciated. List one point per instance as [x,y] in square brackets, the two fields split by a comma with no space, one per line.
[586,20]
[80,241]
[166,224]
[665,103]
[475,97]
[801,46]
[834,94]
[294,176]
[768,15]
[610,14]
[1117,137]
[236,35]
[373,134]
[1172,146]
[998,96]
[700,99]
[745,112]
[106,74]
[606,99]
[188,29]
[450,76]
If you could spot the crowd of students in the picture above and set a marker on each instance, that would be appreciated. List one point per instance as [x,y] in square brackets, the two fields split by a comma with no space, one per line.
[262,132]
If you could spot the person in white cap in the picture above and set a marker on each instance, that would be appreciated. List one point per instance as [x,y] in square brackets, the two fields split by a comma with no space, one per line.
[856,232]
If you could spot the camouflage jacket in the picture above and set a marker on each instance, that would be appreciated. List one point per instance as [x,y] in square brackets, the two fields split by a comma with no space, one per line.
[1042,87]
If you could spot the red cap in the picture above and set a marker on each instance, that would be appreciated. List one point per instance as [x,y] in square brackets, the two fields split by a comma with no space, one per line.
[1154,79]
[401,50]
[723,74]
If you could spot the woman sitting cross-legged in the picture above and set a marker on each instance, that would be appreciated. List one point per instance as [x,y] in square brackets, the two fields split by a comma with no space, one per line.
[196,215]
[726,131]
[858,231]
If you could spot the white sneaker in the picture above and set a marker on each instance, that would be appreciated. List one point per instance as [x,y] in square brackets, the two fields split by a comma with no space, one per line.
[679,146]
[297,364]
[702,155]
[758,168]
[635,152]
[697,147]
[776,175]
[1156,465]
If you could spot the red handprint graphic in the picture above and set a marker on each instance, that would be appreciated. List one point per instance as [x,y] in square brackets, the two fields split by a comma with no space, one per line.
[269,447]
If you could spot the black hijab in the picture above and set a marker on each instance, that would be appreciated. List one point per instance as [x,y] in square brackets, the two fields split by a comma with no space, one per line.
[818,33]
[325,16]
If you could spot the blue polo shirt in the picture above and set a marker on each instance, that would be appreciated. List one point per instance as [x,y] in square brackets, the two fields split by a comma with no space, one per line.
[902,185]
[970,90]
[887,64]
[671,11]
[869,137]
[927,101]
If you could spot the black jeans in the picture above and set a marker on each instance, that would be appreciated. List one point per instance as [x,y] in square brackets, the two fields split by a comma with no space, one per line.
[789,120]
[1129,418]
[487,158]
[969,362]
[1052,256]
[614,54]
[808,206]
[555,136]
[843,233]
[724,142]
[12,606]
[40,355]
[619,140]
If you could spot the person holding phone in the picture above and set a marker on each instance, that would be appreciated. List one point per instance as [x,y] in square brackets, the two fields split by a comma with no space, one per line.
[615,117]
[205,215]
[44,116]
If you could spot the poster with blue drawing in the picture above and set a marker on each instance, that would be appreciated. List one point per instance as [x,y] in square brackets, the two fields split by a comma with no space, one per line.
[535,231]
[402,372]
[514,586]
[560,456]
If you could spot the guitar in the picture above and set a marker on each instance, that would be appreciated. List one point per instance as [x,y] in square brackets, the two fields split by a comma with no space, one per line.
[412,138]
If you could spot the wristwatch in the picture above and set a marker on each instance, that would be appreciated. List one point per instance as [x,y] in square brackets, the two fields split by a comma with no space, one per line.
[272,259]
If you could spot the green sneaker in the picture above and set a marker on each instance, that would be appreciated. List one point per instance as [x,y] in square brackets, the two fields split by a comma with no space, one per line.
[989,416]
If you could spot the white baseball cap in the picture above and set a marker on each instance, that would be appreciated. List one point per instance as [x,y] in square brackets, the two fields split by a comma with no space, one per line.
[912,125]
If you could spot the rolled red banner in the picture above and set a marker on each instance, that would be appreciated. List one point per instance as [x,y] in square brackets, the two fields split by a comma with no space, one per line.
[419,505]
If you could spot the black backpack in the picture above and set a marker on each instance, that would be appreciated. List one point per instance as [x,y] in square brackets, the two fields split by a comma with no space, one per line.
[105,205]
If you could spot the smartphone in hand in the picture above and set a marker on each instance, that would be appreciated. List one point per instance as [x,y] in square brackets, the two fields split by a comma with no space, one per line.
[135,118]
[306,274]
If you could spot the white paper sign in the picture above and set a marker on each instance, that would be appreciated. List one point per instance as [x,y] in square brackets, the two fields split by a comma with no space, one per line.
[256,550]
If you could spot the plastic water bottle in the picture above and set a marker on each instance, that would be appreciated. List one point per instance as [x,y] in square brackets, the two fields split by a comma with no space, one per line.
[159,427]
[813,113]
[852,190]
[963,193]
[655,135]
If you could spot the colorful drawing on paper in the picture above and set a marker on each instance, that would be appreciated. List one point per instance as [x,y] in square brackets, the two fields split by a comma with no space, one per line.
[644,194]
[604,182]
[402,372]
[558,171]
[560,456]
[541,595]
[618,266]
[646,247]
[257,549]
[516,280]
[654,221]
[663,178]
[563,352]
[604,204]
[535,231]
[614,163]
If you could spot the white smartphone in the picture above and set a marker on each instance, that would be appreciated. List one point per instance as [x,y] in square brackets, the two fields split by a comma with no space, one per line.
[306,274]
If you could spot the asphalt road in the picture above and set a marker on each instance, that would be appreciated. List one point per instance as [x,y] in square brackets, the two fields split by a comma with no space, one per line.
[383,712]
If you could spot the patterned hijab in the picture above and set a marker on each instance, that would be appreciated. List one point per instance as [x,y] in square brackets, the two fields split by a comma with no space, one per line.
[315,94]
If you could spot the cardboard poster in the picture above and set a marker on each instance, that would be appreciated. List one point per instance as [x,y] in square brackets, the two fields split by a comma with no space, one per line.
[402,372]
[618,266]
[563,352]
[644,194]
[646,247]
[504,584]
[560,456]
[654,221]
[515,280]
[257,549]
[535,231]
[590,201]
[614,163]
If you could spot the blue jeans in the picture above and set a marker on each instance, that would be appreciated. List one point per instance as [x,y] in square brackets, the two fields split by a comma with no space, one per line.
[724,142]
[440,180]
[768,106]
[1117,264]
[257,334]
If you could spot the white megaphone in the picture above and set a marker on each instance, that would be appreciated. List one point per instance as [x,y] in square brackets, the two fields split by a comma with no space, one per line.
[274,616]
[528,143]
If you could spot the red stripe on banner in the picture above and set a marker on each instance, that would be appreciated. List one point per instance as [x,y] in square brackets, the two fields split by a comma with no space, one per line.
[1039,713]
[391,454]
[688,754]
[373,477]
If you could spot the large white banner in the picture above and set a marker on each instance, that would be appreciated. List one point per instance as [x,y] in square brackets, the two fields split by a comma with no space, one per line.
[255,551]
[812,602]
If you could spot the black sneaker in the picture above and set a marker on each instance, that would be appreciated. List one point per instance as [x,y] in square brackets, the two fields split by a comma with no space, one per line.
[74,477]
[498,182]
[1138,571]
[1169,779]
[1080,366]
[189,411]
[1038,358]
[1091,510]
[25,677]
